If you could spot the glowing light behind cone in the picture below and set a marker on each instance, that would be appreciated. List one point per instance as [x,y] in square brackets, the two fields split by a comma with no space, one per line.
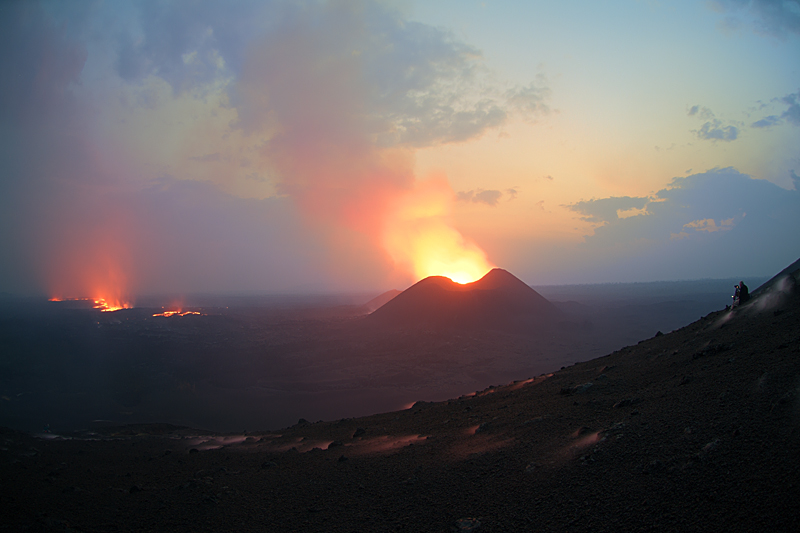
[419,237]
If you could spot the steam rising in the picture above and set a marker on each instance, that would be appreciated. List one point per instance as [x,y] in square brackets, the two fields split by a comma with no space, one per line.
[342,148]
[417,236]
[255,146]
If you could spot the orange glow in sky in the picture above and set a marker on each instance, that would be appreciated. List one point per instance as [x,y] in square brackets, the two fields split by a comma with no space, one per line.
[419,237]
[93,270]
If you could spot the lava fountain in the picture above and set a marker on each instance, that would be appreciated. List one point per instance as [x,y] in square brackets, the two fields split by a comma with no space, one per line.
[102,304]
[96,271]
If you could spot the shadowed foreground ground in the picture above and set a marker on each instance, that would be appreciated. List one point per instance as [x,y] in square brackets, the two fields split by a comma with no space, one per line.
[698,429]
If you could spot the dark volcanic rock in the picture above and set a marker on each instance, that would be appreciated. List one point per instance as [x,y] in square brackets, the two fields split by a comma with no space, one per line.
[497,300]
[380,300]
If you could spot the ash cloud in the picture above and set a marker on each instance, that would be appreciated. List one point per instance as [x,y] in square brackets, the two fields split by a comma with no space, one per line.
[332,97]
[411,85]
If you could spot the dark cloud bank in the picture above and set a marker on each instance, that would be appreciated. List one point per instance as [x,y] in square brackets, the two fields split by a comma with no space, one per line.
[716,224]
[774,18]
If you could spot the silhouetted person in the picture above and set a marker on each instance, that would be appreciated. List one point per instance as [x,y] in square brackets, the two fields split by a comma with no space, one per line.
[741,295]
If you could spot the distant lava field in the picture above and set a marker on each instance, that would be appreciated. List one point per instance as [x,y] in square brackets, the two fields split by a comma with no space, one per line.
[262,363]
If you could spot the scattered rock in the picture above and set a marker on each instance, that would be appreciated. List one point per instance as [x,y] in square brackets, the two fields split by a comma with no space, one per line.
[533,420]
[335,444]
[653,467]
[359,432]
[712,350]
[268,464]
[342,459]
[578,389]
[482,428]
[467,524]
[625,402]
[708,448]
[134,489]
[581,431]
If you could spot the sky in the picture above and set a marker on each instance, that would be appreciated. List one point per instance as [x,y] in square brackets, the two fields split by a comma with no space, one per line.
[271,146]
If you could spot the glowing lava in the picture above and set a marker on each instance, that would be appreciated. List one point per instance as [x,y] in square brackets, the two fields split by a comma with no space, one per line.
[110,305]
[102,304]
[178,313]
[177,310]
[418,237]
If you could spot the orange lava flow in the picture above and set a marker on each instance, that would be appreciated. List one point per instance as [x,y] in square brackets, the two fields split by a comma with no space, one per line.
[102,304]
[107,306]
[179,312]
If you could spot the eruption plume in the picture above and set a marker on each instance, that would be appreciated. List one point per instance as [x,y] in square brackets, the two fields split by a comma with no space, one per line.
[331,117]
[90,259]
[160,180]
[419,238]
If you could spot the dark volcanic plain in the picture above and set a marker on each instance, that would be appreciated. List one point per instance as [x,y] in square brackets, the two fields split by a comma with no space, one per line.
[263,363]
[697,429]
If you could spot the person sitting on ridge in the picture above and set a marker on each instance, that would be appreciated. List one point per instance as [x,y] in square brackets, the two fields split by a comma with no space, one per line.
[741,295]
